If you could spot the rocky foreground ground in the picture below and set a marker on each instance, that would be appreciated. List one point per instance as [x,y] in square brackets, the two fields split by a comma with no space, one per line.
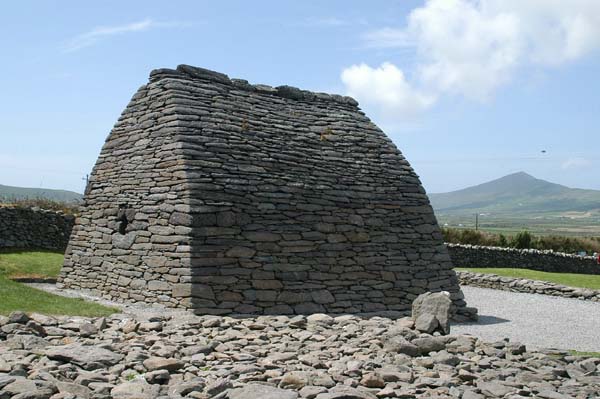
[272,357]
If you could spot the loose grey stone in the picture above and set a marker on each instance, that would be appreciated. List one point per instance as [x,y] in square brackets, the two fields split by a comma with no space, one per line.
[261,391]
[494,389]
[345,392]
[79,391]
[311,391]
[87,357]
[432,305]
[135,390]
[160,363]
[19,385]
[18,317]
[399,344]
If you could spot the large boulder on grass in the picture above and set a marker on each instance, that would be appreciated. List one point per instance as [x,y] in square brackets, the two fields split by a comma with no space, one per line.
[431,312]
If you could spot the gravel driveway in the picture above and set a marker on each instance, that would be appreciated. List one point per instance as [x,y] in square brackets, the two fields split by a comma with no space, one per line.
[539,321]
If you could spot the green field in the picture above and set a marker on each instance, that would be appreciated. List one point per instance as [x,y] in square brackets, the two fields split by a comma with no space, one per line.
[585,354]
[520,202]
[38,264]
[34,264]
[10,193]
[568,279]
[539,225]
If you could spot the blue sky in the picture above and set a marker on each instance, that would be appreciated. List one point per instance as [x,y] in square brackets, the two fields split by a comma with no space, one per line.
[469,90]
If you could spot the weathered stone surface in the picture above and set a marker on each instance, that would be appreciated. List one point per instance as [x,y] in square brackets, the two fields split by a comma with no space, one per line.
[311,392]
[218,386]
[296,380]
[343,392]
[372,380]
[6,379]
[261,391]
[18,317]
[398,344]
[79,391]
[87,357]
[426,322]
[18,386]
[495,389]
[135,390]
[159,363]
[428,344]
[432,310]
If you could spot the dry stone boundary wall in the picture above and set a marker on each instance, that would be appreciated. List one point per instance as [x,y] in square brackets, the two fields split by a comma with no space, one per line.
[496,282]
[547,261]
[34,228]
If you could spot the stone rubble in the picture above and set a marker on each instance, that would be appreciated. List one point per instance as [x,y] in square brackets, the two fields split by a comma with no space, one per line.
[489,280]
[166,355]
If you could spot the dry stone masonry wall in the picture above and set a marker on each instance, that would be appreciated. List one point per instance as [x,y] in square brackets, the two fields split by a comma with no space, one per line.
[494,281]
[547,261]
[34,228]
[225,197]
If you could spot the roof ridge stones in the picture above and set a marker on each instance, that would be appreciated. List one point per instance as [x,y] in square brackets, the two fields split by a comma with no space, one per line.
[285,91]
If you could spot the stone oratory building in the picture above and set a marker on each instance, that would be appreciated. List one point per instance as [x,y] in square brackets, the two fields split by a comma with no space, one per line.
[224,197]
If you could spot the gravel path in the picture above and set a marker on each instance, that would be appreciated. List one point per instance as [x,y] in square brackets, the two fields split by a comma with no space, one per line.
[539,321]
[139,309]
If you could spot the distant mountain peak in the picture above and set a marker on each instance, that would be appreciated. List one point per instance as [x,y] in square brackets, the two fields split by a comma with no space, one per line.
[520,174]
[516,193]
[517,176]
[11,193]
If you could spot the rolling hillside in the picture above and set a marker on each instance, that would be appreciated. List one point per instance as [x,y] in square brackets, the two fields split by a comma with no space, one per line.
[518,194]
[9,193]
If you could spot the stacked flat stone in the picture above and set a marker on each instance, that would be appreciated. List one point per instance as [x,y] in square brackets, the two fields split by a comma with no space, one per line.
[464,255]
[162,355]
[34,228]
[214,194]
[489,280]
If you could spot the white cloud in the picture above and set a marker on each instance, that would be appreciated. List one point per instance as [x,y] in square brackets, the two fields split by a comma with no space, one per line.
[575,163]
[462,49]
[553,31]
[385,87]
[99,33]
[473,47]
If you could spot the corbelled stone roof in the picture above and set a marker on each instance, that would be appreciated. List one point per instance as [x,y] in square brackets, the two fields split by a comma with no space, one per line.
[294,93]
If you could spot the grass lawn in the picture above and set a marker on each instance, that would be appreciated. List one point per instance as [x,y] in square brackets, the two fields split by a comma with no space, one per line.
[569,279]
[37,264]
[17,296]
[586,354]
